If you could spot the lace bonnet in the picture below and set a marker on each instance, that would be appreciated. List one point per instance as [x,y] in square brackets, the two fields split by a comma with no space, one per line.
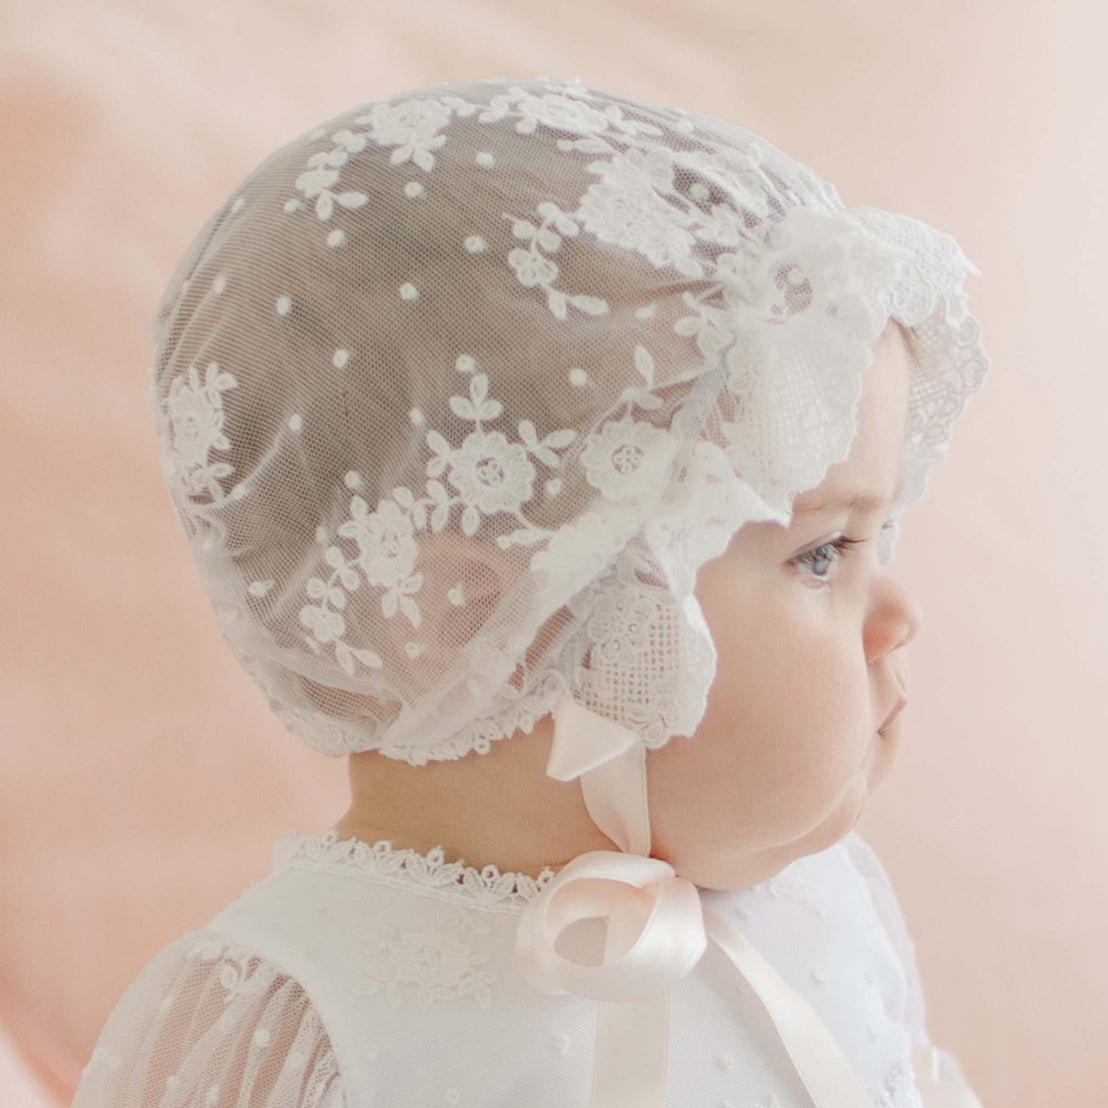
[457,390]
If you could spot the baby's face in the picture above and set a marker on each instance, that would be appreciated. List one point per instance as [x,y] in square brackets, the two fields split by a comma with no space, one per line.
[811,660]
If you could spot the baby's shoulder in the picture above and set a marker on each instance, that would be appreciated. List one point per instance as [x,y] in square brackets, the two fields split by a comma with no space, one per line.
[204,1006]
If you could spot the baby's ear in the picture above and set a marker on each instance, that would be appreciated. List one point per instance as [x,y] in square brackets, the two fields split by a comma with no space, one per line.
[467,581]
[470,578]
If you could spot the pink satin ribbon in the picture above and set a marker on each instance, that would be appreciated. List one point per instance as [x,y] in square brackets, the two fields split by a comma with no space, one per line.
[657,931]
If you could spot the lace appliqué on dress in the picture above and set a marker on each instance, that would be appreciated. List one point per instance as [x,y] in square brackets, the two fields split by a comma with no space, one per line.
[898,1089]
[437,961]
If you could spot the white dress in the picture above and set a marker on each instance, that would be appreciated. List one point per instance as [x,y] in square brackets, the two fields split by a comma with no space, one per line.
[358,976]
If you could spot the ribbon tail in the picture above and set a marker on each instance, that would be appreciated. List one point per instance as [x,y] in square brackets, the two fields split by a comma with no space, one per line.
[616,798]
[816,1056]
[610,761]
[631,1056]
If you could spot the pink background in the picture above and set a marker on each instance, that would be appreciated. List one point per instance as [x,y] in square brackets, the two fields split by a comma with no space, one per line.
[142,778]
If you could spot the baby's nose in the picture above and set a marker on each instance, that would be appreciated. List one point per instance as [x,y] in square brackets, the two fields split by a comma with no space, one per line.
[910,613]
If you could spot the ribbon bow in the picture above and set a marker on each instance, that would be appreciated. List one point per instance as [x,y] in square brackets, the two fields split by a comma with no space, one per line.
[657,931]
[655,936]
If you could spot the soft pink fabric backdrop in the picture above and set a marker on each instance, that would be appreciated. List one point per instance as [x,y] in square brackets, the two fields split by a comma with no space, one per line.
[143,778]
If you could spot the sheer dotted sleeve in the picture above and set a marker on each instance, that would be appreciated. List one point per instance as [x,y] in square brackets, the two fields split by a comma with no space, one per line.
[209,1023]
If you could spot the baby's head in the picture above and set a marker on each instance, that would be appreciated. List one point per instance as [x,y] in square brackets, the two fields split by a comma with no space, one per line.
[486,400]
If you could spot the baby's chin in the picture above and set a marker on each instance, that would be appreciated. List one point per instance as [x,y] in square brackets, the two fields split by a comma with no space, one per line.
[752,867]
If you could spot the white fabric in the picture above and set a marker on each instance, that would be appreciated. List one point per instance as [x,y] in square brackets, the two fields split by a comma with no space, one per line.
[353,976]
[456,392]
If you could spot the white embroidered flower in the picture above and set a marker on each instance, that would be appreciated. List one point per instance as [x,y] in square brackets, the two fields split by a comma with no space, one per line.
[560,112]
[387,550]
[624,208]
[387,555]
[350,141]
[325,624]
[531,267]
[626,458]
[323,174]
[490,473]
[437,961]
[639,170]
[412,126]
[196,416]
[619,628]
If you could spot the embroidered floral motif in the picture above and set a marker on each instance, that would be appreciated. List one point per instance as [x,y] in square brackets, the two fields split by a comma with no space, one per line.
[625,208]
[413,127]
[241,973]
[621,625]
[552,109]
[196,417]
[386,554]
[532,269]
[898,1090]
[492,476]
[626,458]
[436,960]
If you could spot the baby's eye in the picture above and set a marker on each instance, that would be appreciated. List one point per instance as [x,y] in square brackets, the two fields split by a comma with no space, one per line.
[831,552]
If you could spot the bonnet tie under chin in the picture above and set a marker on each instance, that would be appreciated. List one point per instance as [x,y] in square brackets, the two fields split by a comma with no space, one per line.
[657,931]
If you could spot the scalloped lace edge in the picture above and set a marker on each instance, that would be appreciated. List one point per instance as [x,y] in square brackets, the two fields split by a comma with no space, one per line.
[428,874]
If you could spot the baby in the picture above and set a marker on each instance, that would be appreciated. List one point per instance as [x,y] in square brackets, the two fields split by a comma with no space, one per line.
[542,451]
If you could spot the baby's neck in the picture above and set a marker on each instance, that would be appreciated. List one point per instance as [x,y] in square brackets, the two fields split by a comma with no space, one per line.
[498,808]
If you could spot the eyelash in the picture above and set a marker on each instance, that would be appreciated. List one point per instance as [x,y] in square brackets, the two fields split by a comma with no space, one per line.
[841,548]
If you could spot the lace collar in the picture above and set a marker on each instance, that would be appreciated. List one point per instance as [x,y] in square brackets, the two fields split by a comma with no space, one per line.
[429,874]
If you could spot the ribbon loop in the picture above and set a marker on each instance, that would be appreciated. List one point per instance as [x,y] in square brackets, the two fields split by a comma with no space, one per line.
[660,937]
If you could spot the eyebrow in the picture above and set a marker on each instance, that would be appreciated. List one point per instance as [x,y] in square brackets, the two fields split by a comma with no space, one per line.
[861,502]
